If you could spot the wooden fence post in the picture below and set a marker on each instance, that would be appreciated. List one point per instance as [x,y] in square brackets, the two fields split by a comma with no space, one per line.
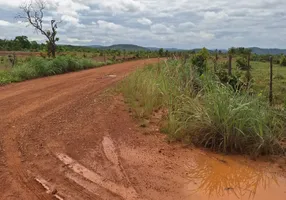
[185,59]
[248,70]
[216,59]
[229,65]
[271,82]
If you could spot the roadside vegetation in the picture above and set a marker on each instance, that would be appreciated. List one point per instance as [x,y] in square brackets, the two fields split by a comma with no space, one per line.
[38,67]
[226,113]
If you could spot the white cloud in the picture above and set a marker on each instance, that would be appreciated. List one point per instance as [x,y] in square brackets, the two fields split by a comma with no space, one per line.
[78,40]
[186,26]
[161,29]
[47,18]
[144,21]
[71,19]
[69,7]
[4,23]
[12,3]
[212,16]
[118,6]
[205,35]
[108,25]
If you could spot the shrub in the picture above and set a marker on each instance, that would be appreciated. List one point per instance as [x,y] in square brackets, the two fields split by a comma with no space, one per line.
[234,80]
[199,61]
[283,60]
[241,64]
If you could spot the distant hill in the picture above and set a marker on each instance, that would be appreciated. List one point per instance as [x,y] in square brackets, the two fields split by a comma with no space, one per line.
[127,47]
[96,46]
[169,49]
[274,51]
[132,47]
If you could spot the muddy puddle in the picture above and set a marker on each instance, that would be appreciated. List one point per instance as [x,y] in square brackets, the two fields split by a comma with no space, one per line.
[225,178]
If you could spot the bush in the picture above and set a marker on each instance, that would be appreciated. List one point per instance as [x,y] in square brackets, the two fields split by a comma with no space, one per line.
[283,60]
[39,67]
[234,80]
[242,64]
[199,61]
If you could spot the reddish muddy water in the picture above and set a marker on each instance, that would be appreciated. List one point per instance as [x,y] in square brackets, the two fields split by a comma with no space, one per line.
[219,177]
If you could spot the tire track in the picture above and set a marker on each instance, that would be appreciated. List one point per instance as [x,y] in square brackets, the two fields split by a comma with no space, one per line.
[22,103]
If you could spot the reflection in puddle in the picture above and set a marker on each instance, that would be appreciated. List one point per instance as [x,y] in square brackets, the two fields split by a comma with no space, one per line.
[223,177]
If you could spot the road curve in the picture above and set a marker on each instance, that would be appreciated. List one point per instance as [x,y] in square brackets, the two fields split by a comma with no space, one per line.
[64,137]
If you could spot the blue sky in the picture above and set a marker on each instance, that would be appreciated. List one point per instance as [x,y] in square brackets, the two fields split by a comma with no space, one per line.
[159,23]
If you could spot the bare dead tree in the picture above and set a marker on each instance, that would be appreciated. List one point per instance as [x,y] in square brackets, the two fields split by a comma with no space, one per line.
[33,13]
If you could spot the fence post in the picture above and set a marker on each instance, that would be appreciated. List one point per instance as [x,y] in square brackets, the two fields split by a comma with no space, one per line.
[216,59]
[185,59]
[248,70]
[271,82]
[104,58]
[229,64]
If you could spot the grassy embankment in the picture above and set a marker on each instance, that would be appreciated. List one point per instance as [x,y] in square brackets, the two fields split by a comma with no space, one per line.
[39,67]
[203,111]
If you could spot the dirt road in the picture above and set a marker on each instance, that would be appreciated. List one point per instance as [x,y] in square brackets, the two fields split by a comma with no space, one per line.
[63,137]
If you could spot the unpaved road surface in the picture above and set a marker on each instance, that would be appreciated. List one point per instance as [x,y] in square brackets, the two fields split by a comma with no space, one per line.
[64,137]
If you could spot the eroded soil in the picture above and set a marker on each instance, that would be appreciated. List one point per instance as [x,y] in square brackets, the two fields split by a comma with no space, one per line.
[63,137]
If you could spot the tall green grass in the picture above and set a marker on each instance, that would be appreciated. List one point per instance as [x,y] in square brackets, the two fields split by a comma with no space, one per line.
[205,112]
[39,67]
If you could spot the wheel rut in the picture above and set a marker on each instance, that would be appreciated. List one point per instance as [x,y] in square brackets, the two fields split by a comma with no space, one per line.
[64,138]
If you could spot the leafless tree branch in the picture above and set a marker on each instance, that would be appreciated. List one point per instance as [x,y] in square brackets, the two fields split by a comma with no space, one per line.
[33,13]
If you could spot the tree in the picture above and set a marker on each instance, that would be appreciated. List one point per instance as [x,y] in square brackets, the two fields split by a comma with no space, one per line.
[167,53]
[34,45]
[199,61]
[23,42]
[232,51]
[33,13]
[161,52]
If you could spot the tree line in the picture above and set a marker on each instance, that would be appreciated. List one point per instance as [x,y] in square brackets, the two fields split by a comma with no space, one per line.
[20,43]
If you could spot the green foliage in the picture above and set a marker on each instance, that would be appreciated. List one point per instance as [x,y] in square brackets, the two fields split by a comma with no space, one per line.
[233,80]
[215,116]
[279,77]
[39,67]
[20,43]
[283,60]
[239,51]
[242,64]
[199,61]
[218,120]
[161,52]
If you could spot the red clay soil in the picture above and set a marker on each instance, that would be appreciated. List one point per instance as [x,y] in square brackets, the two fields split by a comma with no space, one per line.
[63,137]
